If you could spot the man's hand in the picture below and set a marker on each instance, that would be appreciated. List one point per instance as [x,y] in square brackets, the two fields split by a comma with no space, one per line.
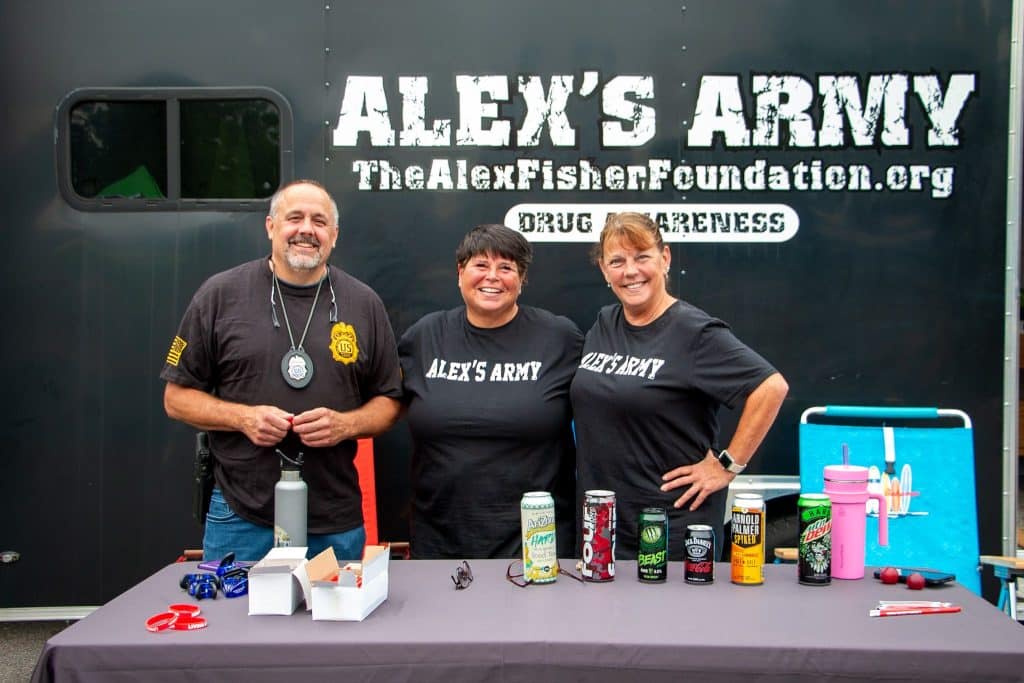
[265,425]
[322,427]
[703,478]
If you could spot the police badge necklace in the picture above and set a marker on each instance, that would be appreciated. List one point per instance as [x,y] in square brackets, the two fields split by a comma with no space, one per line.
[296,365]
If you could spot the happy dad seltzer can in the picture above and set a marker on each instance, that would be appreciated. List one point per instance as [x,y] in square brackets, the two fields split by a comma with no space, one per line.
[540,552]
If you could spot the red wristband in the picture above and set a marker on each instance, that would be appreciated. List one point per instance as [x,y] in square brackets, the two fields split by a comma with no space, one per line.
[184,609]
[186,623]
[160,622]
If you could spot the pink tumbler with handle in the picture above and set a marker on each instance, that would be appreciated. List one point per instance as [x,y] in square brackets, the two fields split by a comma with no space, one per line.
[847,488]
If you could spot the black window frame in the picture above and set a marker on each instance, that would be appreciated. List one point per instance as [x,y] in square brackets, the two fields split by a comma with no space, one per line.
[172,97]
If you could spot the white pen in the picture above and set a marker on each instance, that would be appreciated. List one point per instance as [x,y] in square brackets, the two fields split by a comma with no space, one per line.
[913,603]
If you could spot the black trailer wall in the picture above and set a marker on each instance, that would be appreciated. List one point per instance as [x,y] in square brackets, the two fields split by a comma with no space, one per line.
[889,296]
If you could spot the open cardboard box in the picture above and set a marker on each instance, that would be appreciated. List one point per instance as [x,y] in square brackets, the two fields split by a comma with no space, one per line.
[278,582]
[351,592]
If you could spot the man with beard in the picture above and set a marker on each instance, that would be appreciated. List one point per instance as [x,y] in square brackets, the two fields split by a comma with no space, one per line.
[285,355]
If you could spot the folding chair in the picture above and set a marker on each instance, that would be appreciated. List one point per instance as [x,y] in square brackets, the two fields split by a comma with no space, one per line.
[926,473]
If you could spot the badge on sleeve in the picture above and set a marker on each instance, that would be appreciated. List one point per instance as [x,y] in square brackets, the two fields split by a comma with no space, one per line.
[174,354]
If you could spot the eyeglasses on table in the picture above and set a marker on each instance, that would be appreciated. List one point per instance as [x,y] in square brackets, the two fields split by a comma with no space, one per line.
[463,576]
[516,577]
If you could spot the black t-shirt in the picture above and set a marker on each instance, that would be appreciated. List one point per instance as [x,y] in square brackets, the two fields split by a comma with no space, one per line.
[490,420]
[233,350]
[646,400]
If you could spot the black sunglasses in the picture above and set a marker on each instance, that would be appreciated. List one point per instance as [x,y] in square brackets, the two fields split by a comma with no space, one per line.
[463,576]
[517,578]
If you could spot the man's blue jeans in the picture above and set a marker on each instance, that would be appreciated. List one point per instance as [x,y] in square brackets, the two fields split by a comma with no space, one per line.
[227,532]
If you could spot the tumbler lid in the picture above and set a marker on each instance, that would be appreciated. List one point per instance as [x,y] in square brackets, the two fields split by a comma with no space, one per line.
[846,473]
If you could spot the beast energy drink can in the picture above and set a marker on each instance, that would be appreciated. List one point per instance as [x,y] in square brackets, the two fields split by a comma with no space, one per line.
[814,555]
[699,546]
[748,539]
[652,556]
[540,556]
[598,535]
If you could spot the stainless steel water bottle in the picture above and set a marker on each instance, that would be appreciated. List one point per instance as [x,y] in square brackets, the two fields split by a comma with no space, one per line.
[290,504]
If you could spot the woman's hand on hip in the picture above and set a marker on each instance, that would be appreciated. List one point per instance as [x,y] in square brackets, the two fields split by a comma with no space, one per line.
[702,478]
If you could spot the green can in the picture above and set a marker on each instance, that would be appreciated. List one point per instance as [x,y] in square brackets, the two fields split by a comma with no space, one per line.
[814,556]
[652,556]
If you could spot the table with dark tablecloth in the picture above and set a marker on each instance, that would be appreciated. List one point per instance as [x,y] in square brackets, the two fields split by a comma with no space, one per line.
[494,631]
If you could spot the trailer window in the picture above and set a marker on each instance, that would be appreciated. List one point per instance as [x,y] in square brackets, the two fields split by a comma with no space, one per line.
[229,149]
[129,149]
[103,166]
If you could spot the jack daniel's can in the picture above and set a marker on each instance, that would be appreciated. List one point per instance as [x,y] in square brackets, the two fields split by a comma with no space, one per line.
[699,546]
[652,556]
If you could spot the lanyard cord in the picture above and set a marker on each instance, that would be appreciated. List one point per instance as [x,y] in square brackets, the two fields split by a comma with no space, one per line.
[284,310]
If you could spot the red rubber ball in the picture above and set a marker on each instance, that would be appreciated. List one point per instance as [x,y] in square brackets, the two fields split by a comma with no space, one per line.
[889,575]
[915,581]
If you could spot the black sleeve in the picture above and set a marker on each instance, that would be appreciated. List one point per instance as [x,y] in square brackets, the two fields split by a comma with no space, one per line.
[725,367]
[189,361]
[384,377]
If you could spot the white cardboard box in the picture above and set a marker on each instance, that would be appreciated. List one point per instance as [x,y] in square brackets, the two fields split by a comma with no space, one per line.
[359,588]
[278,582]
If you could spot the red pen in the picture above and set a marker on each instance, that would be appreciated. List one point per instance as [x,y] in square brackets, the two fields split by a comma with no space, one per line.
[920,610]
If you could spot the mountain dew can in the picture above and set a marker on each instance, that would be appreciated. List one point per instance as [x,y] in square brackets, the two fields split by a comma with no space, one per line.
[540,554]
[652,557]
[814,556]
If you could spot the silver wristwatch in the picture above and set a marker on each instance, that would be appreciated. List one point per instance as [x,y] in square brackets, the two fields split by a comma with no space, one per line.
[729,464]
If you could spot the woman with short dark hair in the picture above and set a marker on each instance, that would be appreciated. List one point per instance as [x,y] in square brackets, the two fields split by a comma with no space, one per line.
[486,387]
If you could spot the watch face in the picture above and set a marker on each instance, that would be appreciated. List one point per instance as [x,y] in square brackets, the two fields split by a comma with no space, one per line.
[728,463]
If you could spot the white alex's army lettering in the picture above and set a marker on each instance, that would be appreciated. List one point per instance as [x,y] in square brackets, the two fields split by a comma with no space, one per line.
[477,371]
[618,364]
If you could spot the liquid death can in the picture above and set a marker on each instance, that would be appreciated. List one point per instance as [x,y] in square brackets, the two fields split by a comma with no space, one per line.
[598,535]
[540,552]
[652,557]
[814,556]
[699,545]
[748,539]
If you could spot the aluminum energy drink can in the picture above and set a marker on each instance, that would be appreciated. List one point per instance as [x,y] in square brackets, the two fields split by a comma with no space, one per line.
[540,554]
[699,546]
[652,556]
[748,539]
[814,556]
[598,535]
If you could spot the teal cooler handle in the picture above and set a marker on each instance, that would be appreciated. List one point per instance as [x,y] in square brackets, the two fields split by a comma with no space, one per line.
[880,412]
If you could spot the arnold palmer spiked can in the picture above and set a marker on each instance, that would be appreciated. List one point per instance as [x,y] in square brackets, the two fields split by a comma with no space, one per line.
[747,539]
[652,556]
[540,555]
